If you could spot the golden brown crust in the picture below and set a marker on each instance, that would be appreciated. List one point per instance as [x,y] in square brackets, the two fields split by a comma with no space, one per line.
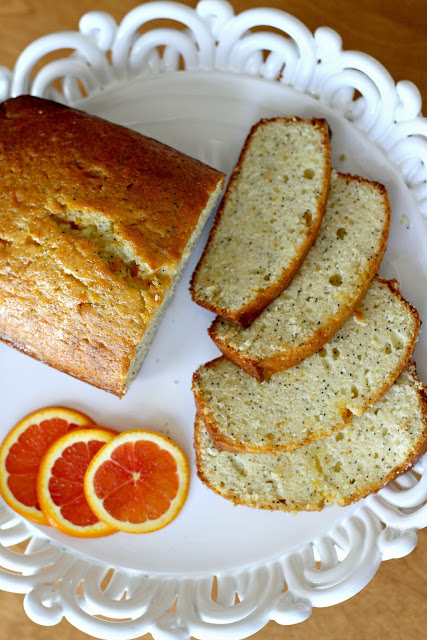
[108,380]
[62,300]
[249,312]
[261,369]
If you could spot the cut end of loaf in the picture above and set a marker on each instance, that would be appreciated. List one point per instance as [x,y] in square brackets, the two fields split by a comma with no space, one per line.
[144,344]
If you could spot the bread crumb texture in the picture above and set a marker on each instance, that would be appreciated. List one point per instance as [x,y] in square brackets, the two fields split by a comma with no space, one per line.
[269,215]
[94,222]
[367,454]
[332,279]
[318,396]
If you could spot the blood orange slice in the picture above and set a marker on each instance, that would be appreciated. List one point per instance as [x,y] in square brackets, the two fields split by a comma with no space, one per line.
[22,451]
[138,482]
[60,483]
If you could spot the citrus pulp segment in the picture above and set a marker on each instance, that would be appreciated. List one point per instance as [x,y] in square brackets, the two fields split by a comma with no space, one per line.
[138,482]
[60,483]
[22,451]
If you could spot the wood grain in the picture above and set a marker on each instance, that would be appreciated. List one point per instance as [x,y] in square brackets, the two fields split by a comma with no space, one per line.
[393,605]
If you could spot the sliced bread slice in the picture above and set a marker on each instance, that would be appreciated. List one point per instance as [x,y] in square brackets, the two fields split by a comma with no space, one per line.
[369,453]
[317,397]
[333,278]
[268,219]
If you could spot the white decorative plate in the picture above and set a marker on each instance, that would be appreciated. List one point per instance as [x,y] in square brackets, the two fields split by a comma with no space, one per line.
[199,89]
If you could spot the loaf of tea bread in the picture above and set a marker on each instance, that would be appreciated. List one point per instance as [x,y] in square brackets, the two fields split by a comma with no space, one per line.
[333,278]
[268,218]
[96,224]
[318,396]
[367,454]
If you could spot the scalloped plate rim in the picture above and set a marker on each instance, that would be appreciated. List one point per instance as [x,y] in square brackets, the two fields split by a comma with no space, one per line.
[367,506]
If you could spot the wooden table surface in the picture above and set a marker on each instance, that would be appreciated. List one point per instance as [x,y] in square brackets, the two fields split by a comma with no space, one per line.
[394,604]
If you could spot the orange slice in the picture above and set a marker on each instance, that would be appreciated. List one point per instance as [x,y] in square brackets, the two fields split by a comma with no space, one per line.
[138,482]
[60,483]
[22,451]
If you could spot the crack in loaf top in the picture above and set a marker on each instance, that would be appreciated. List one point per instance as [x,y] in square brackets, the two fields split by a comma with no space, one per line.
[58,158]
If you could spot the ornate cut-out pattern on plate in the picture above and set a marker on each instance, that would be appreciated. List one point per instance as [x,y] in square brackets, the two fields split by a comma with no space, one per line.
[118,603]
